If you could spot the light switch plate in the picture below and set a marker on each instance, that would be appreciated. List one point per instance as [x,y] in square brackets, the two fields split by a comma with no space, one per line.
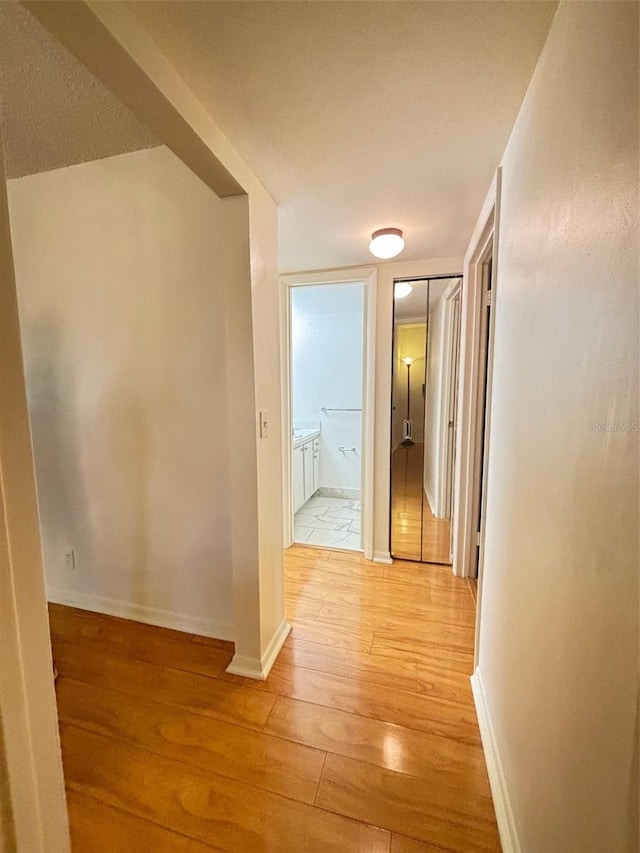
[264,424]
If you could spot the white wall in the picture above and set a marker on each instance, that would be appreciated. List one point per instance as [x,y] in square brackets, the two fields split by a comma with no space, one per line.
[327,371]
[558,653]
[122,266]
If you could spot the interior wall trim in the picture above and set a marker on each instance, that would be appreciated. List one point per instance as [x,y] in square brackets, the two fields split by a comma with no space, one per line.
[501,801]
[256,668]
[383,557]
[369,277]
[141,613]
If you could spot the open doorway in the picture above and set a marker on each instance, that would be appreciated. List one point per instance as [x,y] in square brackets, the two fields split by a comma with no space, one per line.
[327,374]
[327,356]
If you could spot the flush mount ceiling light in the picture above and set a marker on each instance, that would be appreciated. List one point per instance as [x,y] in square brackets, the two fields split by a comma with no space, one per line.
[402,289]
[386,243]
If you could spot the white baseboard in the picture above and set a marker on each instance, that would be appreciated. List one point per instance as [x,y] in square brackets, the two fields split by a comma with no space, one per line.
[430,500]
[502,804]
[259,668]
[382,557]
[347,494]
[141,613]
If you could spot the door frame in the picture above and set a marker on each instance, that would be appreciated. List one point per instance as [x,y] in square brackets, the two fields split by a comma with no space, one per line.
[451,297]
[31,778]
[472,453]
[367,276]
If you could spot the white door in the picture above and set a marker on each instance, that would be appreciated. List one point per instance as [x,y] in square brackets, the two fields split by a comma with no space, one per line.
[297,464]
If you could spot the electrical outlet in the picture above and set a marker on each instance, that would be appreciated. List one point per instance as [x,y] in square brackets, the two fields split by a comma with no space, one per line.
[70,559]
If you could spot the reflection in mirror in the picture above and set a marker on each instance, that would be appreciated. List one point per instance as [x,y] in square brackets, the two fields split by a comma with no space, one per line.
[407,425]
[425,362]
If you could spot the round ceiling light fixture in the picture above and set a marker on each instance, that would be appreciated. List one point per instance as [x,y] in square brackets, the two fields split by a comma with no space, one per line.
[402,289]
[386,243]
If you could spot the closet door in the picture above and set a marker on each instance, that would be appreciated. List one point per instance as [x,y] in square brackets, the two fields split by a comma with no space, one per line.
[408,408]
[424,389]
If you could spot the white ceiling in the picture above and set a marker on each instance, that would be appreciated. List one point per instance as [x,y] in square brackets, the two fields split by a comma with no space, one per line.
[359,115]
[54,112]
[355,115]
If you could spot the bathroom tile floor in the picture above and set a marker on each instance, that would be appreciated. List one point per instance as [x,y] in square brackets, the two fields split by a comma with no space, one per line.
[331,522]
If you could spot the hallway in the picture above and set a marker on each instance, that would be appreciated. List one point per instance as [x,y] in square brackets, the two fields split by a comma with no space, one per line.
[363,738]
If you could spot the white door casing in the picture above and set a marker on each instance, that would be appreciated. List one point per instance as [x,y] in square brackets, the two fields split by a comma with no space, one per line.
[368,277]
[32,761]
[469,455]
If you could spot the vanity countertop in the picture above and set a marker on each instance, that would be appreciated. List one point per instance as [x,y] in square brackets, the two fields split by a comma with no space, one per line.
[301,436]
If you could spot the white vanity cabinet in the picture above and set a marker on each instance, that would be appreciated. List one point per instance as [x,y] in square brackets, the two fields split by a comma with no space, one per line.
[316,464]
[305,469]
[308,469]
[297,460]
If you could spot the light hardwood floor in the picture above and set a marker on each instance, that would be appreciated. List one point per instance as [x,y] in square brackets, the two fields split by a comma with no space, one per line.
[416,533]
[363,738]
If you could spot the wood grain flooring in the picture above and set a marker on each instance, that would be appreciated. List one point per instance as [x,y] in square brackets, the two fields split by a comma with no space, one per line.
[363,737]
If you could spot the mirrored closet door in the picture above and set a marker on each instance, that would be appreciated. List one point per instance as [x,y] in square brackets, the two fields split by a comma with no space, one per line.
[426,332]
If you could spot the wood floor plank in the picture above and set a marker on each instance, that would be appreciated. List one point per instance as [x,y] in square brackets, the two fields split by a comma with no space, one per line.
[402,844]
[301,608]
[424,574]
[97,828]
[209,808]
[343,575]
[385,744]
[258,759]
[351,664]
[388,598]
[138,631]
[207,696]
[426,637]
[337,571]
[375,617]
[296,552]
[452,818]
[343,636]
[440,717]
[442,683]
[143,642]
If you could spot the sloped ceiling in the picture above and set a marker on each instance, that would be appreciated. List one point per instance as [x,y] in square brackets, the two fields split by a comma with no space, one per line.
[54,112]
[357,115]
